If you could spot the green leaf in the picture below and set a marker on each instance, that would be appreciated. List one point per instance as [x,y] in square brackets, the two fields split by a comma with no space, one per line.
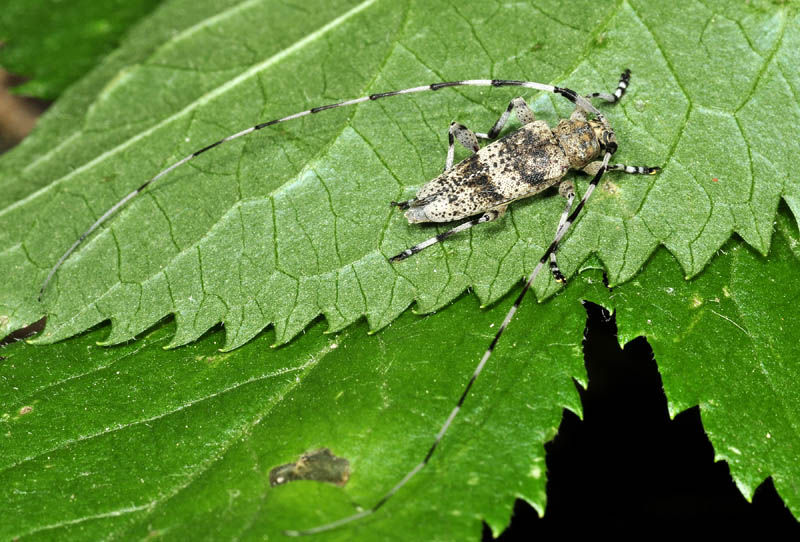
[727,342]
[55,43]
[135,441]
[294,222]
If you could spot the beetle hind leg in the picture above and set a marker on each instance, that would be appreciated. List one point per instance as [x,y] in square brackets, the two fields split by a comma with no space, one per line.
[614,97]
[413,202]
[567,190]
[488,216]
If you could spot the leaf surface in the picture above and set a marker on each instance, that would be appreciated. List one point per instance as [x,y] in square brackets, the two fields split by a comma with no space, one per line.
[56,43]
[727,341]
[135,441]
[294,222]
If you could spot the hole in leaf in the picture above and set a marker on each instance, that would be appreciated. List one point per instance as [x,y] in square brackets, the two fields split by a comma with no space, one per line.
[626,465]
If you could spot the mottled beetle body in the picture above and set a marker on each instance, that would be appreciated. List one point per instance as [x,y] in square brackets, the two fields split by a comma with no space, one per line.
[521,164]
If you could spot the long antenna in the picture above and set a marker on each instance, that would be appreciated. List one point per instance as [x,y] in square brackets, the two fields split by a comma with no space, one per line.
[571,95]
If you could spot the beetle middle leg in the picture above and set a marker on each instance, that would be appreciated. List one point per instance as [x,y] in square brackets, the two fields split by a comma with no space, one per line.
[488,216]
[567,190]
[468,138]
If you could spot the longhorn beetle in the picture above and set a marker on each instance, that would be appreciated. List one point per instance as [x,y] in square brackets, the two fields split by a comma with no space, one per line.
[520,164]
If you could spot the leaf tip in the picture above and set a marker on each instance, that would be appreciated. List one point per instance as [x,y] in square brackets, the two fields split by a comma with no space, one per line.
[38,339]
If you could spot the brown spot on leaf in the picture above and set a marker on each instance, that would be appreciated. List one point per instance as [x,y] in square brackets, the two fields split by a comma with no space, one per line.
[318,465]
[25,410]
[611,187]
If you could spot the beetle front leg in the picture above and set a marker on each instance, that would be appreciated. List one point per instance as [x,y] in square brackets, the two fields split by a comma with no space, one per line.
[614,97]
[619,92]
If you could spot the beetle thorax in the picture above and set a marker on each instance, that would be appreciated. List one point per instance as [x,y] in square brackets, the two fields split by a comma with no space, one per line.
[580,140]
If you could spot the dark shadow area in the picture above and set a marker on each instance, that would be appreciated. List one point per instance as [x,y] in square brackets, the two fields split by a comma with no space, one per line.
[23,333]
[627,469]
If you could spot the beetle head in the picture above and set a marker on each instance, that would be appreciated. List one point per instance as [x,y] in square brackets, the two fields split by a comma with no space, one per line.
[606,137]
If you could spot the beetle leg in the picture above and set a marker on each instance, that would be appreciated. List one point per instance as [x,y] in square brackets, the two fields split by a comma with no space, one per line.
[567,190]
[413,202]
[488,216]
[520,108]
[578,114]
[465,136]
[624,80]
[594,167]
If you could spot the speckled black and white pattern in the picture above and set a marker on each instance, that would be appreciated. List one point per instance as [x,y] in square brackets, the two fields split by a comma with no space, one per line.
[519,165]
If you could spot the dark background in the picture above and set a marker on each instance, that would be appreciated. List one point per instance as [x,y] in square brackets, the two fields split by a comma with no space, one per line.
[627,470]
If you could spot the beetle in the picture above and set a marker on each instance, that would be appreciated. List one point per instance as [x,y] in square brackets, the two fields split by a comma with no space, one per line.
[521,164]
